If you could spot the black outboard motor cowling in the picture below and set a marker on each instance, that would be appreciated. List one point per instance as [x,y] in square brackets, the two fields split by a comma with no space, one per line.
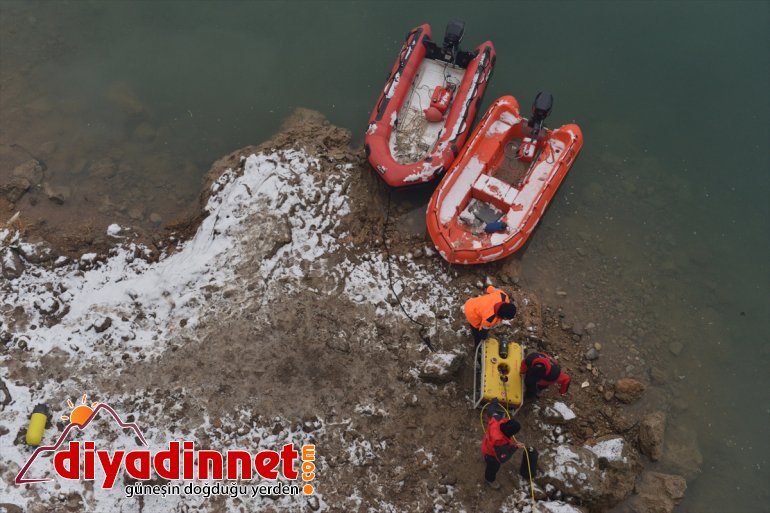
[541,109]
[453,35]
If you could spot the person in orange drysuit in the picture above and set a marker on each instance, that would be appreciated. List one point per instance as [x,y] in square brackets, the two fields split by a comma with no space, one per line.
[487,311]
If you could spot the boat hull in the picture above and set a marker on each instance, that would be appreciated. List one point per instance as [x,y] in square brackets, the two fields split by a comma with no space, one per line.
[455,124]
[483,182]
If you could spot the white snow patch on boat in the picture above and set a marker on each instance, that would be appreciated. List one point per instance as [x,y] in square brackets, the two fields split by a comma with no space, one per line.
[454,197]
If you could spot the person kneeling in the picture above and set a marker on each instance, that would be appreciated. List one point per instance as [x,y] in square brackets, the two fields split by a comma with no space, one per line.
[541,371]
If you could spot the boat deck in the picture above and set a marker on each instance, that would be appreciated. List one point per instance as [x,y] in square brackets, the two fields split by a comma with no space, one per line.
[510,169]
[414,137]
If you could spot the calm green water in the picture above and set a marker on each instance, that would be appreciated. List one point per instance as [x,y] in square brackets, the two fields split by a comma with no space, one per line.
[668,201]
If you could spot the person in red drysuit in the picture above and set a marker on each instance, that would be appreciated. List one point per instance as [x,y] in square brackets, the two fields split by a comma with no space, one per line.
[540,371]
[498,445]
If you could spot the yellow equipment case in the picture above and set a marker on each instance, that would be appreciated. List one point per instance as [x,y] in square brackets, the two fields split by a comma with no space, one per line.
[497,373]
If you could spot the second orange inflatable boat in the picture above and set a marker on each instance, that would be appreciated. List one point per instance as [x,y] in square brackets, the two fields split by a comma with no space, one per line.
[499,186]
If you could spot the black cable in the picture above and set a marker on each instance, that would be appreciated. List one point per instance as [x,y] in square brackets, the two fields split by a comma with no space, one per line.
[423,327]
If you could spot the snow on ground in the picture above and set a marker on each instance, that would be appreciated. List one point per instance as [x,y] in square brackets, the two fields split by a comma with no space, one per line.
[109,436]
[564,410]
[114,230]
[146,302]
[611,449]
[104,307]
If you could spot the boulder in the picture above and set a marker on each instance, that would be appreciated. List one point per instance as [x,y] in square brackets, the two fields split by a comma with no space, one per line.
[599,475]
[651,431]
[658,493]
[57,193]
[31,170]
[681,453]
[11,264]
[36,252]
[440,367]
[15,188]
[102,324]
[628,390]
[675,348]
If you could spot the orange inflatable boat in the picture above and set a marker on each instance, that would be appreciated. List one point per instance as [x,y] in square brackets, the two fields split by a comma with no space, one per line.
[424,113]
[499,186]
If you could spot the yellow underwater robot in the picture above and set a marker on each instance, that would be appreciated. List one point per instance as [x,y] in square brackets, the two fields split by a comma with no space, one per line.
[497,373]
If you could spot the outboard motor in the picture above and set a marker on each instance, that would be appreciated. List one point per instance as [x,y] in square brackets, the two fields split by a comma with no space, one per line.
[455,30]
[541,108]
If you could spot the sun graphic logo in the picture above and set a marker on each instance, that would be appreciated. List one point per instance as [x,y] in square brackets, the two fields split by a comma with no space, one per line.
[80,413]
[179,461]
[79,418]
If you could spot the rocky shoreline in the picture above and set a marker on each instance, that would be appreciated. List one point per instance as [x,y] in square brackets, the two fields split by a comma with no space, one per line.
[297,335]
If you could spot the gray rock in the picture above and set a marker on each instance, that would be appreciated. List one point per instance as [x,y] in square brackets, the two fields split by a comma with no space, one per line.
[155,218]
[340,344]
[15,188]
[651,432]
[592,354]
[628,390]
[103,324]
[592,478]
[57,193]
[440,367]
[658,376]
[676,348]
[31,170]
[658,493]
[5,395]
[681,453]
[7,507]
[37,252]
[46,308]
[11,263]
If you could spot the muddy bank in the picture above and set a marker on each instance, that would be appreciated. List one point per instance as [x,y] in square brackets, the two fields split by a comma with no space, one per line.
[274,322]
